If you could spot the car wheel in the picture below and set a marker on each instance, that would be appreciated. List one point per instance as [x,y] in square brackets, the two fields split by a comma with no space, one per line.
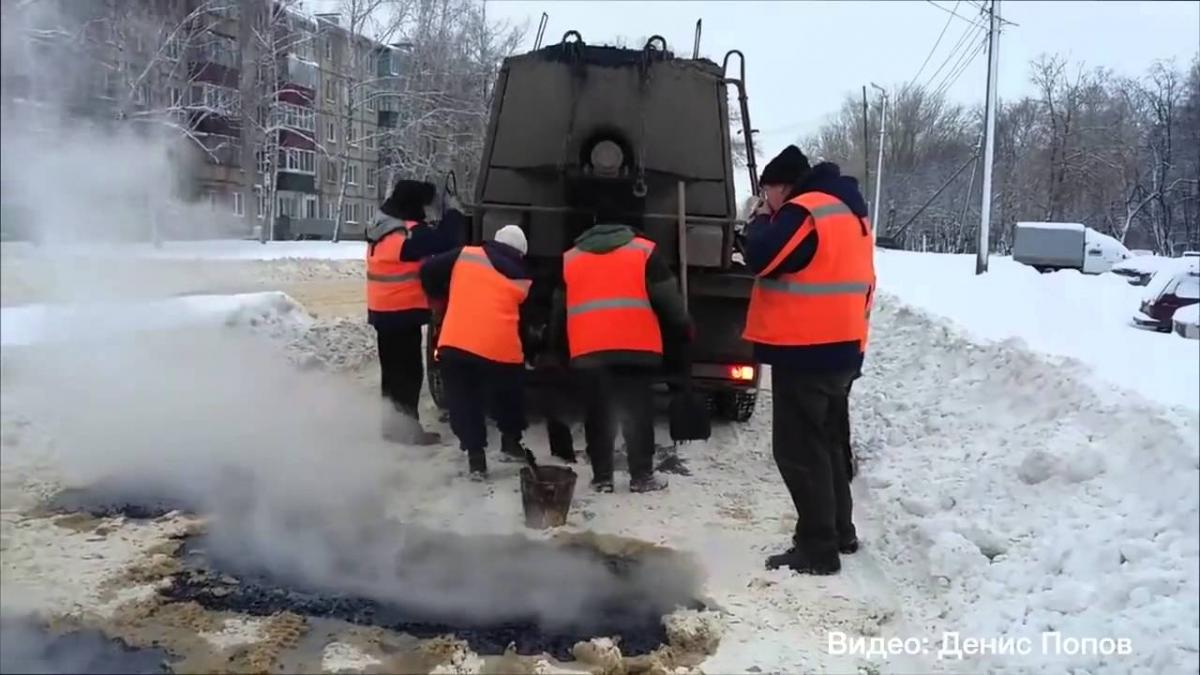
[433,373]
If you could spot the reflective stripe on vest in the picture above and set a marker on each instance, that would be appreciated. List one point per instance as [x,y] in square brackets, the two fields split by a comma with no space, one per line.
[608,305]
[827,302]
[393,285]
[483,311]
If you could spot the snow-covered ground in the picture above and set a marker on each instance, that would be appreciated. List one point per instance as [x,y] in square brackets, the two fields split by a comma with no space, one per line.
[215,249]
[31,324]
[1063,314]
[1004,493]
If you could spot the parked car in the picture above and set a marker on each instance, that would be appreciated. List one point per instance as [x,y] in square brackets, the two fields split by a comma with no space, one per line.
[1171,289]
[1187,322]
[1139,270]
[1048,247]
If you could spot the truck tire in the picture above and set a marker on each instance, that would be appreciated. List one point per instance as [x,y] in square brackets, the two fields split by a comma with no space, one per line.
[433,374]
[737,406]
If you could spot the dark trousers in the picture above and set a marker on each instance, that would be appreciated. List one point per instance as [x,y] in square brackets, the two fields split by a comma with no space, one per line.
[809,443]
[844,435]
[475,385]
[401,365]
[622,398]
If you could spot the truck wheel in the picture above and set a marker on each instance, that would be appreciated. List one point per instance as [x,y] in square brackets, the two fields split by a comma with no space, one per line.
[737,406]
[433,374]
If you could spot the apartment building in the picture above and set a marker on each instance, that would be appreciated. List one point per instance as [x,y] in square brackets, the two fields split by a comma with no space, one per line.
[321,113]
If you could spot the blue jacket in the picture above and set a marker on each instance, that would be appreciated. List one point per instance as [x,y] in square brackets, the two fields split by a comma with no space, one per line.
[767,236]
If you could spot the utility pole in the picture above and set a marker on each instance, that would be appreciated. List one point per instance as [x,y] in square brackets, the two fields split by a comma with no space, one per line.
[879,169]
[989,148]
[866,149]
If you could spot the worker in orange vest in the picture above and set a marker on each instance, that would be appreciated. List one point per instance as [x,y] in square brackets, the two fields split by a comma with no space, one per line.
[479,349]
[811,249]
[618,306]
[397,241]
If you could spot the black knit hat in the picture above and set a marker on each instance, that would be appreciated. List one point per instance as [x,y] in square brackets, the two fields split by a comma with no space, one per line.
[409,199]
[788,168]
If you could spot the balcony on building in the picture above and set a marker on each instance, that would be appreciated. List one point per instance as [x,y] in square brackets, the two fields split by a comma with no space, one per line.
[215,59]
[300,78]
[220,149]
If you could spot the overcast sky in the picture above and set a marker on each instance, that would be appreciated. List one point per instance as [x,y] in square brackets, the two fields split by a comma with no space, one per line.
[803,57]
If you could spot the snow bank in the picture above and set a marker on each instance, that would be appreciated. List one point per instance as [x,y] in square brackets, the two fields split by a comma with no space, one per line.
[1011,501]
[216,249]
[1063,314]
[31,324]
[1189,315]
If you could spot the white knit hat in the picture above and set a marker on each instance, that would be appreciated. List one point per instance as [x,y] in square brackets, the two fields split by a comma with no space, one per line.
[513,236]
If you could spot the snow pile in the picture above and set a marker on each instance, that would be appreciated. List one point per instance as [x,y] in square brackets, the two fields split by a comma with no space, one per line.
[31,324]
[1065,314]
[214,249]
[1012,503]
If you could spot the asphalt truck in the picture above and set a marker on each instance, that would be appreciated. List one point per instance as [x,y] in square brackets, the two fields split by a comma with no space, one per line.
[572,115]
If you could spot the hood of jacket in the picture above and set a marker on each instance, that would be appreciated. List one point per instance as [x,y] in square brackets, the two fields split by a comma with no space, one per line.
[604,238]
[408,199]
[827,177]
[383,226]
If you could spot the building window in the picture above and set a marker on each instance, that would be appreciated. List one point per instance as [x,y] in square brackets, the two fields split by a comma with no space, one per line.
[370,213]
[331,132]
[371,178]
[329,47]
[287,206]
[310,206]
[329,90]
[175,96]
[370,102]
[297,160]
[296,117]
[351,136]
[218,49]
[327,209]
[370,141]
[330,171]
[352,173]
[238,207]
[261,195]
[351,212]
[171,49]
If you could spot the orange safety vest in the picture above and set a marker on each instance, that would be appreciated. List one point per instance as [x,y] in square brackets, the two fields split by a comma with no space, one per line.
[393,285]
[483,312]
[608,306]
[829,300]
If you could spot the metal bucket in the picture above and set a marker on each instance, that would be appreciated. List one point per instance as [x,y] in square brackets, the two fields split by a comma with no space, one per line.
[547,499]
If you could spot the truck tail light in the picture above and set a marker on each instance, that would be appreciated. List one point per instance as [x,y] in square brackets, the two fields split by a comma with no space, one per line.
[742,373]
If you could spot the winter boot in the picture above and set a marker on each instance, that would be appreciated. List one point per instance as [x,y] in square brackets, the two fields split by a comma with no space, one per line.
[848,545]
[477,465]
[403,426]
[562,445]
[603,485]
[511,449]
[805,563]
[651,483]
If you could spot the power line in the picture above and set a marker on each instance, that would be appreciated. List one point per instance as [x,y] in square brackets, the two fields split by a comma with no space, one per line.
[957,72]
[952,12]
[954,51]
[935,46]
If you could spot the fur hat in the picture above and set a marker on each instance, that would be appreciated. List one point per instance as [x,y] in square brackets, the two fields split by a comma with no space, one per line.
[514,236]
[409,199]
[788,168]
